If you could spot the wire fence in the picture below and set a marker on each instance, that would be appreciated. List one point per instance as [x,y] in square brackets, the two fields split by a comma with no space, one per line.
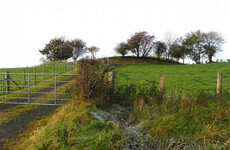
[175,83]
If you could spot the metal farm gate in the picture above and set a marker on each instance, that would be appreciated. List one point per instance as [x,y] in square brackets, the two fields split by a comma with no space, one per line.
[35,89]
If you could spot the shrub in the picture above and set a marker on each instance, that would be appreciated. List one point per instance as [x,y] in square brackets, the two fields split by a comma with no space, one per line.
[92,80]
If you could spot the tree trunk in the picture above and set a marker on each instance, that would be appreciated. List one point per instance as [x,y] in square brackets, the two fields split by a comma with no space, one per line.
[210,58]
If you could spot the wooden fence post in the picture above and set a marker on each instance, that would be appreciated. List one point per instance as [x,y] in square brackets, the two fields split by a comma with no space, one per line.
[162,80]
[24,77]
[219,84]
[35,76]
[112,79]
[7,82]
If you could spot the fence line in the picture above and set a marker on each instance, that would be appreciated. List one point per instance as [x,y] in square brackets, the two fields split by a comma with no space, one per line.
[211,84]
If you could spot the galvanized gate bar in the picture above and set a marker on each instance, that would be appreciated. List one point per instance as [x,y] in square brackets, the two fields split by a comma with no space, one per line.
[55,91]
[29,88]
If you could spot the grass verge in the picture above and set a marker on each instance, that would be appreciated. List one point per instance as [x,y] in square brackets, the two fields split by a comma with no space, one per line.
[72,127]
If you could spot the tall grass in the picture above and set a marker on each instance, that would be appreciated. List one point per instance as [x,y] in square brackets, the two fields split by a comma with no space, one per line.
[72,127]
[196,121]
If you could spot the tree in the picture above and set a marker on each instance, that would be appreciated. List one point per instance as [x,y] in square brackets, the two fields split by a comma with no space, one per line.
[169,39]
[56,50]
[160,48]
[93,50]
[177,50]
[78,48]
[212,43]
[141,43]
[121,48]
[193,44]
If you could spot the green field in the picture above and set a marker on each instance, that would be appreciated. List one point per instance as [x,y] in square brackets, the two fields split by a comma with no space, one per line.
[177,77]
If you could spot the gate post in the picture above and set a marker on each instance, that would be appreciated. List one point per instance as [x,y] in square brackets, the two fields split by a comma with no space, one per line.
[3,88]
[55,90]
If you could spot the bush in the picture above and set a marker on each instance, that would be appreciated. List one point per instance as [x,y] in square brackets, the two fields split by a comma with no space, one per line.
[92,80]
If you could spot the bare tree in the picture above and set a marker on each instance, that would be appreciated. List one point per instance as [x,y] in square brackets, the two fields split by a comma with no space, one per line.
[212,43]
[169,39]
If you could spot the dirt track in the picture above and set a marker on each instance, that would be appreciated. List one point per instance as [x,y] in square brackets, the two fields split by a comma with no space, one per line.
[15,127]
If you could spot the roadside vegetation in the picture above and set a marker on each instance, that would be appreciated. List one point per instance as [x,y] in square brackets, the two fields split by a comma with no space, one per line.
[196,120]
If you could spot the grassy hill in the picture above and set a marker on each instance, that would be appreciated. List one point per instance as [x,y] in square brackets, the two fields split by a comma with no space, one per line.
[138,60]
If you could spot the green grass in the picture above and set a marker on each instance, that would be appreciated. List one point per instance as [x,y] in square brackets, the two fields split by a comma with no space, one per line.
[72,127]
[198,120]
[178,77]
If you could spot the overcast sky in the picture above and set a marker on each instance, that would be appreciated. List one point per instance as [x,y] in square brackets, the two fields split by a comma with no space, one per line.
[27,25]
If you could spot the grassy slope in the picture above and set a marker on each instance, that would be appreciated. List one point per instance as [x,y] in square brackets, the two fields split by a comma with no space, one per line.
[72,127]
[190,77]
[138,60]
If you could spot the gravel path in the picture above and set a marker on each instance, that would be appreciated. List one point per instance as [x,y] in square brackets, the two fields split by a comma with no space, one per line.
[16,127]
